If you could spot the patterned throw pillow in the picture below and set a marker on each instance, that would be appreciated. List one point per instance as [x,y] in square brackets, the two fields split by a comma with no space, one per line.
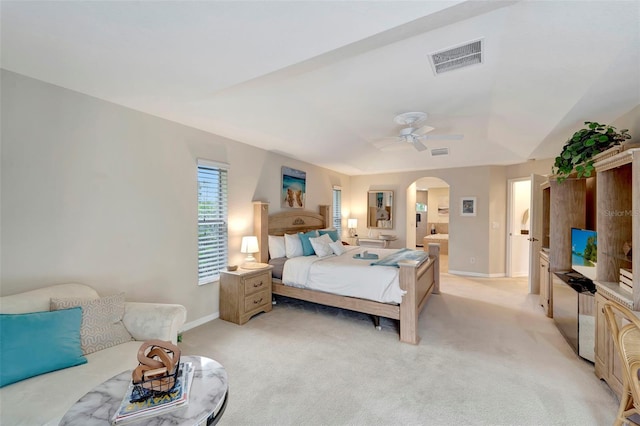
[321,245]
[337,248]
[102,325]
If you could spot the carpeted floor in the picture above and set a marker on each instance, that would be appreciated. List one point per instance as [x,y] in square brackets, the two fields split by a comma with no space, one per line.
[488,356]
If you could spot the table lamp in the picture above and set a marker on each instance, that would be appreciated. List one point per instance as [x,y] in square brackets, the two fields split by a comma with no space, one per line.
[352,224]
[249,246]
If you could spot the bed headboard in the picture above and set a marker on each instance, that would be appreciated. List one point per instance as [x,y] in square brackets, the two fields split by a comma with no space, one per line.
[285,222]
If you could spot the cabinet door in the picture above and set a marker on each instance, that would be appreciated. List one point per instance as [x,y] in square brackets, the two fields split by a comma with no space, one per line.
[607,360]
[602,337]
[615,367]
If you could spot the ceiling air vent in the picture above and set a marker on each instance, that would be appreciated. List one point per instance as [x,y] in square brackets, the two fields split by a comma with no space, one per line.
[457,57]
[439,151]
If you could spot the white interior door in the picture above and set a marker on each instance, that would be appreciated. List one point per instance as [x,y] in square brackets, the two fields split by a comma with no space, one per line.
[518,227]
[535,233]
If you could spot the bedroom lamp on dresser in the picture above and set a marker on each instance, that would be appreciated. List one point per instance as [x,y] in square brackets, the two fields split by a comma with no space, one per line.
[249,247]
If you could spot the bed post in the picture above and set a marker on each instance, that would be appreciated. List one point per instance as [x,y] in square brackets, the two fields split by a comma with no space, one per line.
[261,229]
[325,211]
[434,251]
[419,281]
[409,305]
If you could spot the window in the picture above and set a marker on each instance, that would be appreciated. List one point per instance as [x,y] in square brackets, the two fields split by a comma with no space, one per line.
[212,220]
[337,209]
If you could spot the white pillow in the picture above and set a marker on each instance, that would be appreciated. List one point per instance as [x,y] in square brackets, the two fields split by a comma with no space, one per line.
[292,245]
[321,245]
[276,247]
[338,248]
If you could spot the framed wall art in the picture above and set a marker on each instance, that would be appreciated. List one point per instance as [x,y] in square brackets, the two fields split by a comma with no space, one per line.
[468,206]
[294,184]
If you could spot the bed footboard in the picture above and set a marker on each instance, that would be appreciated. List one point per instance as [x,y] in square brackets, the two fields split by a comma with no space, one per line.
[419,280]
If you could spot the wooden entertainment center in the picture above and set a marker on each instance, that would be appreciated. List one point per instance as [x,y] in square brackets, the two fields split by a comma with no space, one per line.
[609,203]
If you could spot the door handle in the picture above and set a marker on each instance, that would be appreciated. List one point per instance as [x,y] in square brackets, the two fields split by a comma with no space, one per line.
[532,239]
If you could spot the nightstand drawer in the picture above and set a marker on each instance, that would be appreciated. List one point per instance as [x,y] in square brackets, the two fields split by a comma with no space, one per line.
[256,300]
[257,283]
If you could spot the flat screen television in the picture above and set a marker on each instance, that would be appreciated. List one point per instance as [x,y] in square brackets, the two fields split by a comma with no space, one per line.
[584,252]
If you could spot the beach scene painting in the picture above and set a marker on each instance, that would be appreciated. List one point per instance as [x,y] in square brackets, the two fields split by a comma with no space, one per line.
[584,252]
[293,188]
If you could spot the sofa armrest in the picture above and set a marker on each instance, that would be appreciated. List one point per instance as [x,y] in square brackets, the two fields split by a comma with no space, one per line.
[146,321]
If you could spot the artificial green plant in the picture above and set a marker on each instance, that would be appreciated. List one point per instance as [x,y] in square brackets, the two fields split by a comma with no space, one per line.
[578,152]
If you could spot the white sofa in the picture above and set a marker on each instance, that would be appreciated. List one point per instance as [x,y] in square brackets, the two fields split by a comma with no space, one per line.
[44,399]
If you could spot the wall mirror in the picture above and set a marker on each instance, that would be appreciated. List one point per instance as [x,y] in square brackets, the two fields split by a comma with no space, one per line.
[380,209]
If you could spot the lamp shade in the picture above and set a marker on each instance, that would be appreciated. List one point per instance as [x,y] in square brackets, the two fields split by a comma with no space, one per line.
[352,223]
[249,245]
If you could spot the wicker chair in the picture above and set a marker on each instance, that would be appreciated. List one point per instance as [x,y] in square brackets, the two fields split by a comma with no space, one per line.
[626,338]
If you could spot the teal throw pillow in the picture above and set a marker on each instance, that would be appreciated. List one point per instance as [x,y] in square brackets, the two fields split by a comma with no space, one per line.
[38,343]
[333,233]
[307,248]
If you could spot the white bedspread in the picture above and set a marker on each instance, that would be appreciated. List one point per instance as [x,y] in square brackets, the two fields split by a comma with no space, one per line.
[346,276]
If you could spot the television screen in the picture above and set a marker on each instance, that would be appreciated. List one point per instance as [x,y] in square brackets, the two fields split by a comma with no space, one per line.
[584,252]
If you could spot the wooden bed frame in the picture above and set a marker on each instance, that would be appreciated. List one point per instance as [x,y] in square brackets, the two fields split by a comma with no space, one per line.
[418,279]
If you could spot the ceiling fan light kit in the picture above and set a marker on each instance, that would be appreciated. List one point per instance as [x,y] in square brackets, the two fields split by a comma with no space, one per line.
[409,118]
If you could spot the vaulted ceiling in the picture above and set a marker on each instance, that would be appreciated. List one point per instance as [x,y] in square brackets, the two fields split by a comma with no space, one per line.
[321,81]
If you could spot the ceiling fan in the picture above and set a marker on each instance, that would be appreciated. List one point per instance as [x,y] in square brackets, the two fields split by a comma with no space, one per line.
[412,133]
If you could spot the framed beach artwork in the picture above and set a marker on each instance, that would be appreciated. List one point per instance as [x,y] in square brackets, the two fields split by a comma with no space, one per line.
[294,184]
[468,206]
[443,206]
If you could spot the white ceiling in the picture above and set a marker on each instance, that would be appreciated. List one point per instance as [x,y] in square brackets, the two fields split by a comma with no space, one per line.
[321,81]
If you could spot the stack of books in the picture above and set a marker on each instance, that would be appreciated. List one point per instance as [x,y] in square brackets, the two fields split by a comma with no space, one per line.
[177,398]
[626,279]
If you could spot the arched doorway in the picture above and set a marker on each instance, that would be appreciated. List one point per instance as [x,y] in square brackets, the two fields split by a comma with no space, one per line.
[428,199]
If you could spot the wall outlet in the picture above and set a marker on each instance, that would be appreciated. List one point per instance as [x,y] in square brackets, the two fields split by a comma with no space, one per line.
[472,260]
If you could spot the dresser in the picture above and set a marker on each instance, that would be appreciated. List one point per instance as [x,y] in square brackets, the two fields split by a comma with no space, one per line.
[379,242]
[244,293]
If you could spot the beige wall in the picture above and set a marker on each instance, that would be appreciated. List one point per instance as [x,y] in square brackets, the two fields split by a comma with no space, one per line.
[539,167]
[497,225]
[471,238]
[477,244]
[96,193]
[631,121]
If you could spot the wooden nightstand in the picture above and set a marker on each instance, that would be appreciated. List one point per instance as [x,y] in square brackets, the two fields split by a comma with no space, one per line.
[244,293]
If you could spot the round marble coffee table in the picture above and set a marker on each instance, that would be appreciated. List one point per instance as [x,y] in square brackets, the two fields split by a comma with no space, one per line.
[207,400]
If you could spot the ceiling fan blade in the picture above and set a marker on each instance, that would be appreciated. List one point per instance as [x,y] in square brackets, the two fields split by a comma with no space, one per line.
[385,142]
[418,145]
[441,137]
[423,130]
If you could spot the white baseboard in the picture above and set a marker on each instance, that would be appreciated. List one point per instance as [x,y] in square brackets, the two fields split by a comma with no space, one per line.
[501,275]
[519,274]
[193,324]
[476,274]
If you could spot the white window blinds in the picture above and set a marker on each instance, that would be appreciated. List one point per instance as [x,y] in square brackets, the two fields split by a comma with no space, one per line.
[337,209]
[212,221]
